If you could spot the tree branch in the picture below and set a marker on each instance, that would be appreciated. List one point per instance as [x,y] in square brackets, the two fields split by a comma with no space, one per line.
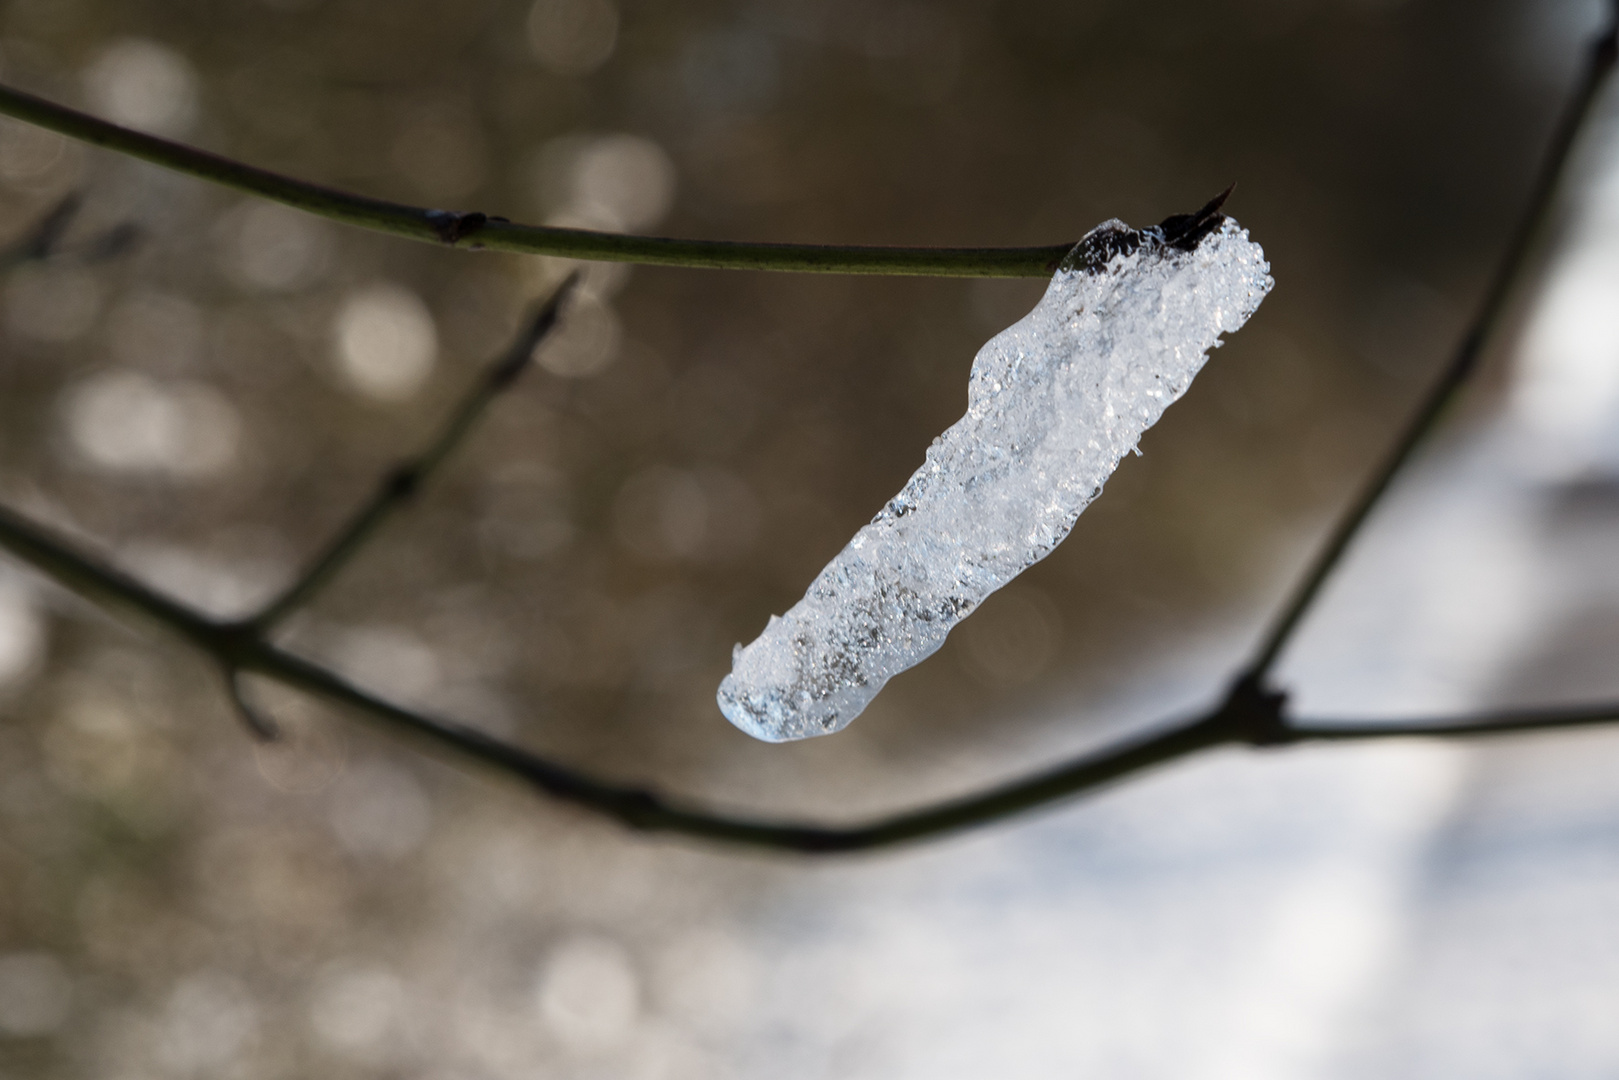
[43,240]
[402,483]
[1251,714]
[258,723]
[1499,723]
[1248,716]
[498,234]
[1602,55]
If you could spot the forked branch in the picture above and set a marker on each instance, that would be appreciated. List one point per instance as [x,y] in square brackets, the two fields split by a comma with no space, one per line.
[1248,716]
[1251,713]
[401,484]
[1602,54]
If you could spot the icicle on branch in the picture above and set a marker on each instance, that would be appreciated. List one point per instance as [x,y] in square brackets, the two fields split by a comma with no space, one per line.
[1054,403]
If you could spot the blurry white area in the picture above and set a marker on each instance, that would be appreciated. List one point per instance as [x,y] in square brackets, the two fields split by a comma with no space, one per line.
[144,85]
[390,660]
[1456,571]
[22,634]
[355,1010]
[36,994]
[386,341]
[589,993]
[705,978]
[51,304]
[585,343]
[1447,582]
[209,1018]
[1566,399]
[380,810]
[1227,919]
[273,248]
[126,422]
[572,37]
[609,183]
[221,587]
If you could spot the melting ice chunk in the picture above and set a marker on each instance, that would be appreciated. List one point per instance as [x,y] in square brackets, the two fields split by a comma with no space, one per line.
[1055,401]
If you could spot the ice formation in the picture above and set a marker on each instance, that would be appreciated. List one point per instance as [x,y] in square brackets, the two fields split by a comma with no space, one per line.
[1055,401]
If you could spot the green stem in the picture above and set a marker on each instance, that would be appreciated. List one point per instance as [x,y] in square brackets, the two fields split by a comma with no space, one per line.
[481,231]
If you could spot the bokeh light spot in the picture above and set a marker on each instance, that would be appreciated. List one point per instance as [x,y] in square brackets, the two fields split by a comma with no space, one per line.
[143,85]
[386,342]
[125,422]
[589,994]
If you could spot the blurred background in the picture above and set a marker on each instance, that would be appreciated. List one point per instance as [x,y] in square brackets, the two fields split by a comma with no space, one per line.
[205,404]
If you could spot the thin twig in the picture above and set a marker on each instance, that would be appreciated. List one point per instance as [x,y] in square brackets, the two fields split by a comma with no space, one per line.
[98,582]
[238,650]
[1500,723]
[481,230]
[43,240]
[258,723]
[402,484]
[1603,53]
[1248,716]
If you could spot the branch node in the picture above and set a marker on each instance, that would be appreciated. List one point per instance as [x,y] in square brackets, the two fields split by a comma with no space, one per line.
[1254,713]
[640,809]
[403,482]
[451,226]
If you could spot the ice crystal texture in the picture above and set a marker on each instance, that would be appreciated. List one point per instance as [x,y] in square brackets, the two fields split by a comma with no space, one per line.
[1055,402]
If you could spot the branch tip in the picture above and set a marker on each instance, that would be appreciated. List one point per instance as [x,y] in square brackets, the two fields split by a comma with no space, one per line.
[1187,231]
[540,324]
[259,724]
[1464,360]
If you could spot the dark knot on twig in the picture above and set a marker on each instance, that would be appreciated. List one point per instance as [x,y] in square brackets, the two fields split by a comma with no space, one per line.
[452,227]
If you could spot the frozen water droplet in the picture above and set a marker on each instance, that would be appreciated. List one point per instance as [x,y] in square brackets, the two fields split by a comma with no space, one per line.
[1054,402]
